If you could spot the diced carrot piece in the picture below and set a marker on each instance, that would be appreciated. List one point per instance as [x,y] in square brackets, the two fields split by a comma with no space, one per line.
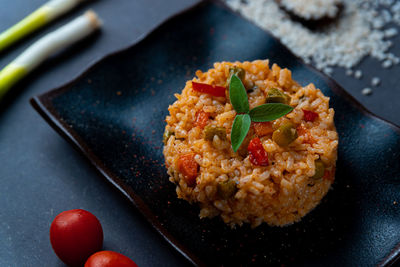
[201,119]
[263,128]
[188,166]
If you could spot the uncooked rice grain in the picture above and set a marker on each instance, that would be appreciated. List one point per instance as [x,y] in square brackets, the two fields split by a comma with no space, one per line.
[359,31]
[314,9]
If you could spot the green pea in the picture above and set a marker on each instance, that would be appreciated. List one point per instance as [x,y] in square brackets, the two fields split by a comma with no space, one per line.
[167,134]
[226,189]
[275,95]
[285,134]
[210,131]
[319,170]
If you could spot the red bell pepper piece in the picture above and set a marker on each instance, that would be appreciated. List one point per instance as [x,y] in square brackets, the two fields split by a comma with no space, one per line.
[257,154]
[213,90]
[309,115]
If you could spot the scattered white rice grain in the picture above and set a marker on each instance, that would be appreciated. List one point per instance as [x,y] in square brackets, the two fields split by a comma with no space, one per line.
[387,64]
[349,72]
[391,32]
[378,23]
[328,71]
[314,9]
[375,81]
[358,74]
[366,91]
[386,15]
[362,30]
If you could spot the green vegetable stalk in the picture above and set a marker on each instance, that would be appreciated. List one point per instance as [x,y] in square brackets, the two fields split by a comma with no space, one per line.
[42,16]
[45,47]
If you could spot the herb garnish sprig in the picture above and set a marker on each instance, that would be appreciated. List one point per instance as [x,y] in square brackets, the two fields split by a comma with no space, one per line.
[262,113]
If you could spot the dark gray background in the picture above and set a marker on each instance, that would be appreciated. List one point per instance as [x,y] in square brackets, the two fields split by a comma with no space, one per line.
[41,175]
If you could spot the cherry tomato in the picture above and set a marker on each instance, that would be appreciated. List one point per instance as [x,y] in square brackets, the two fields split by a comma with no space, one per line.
[75,235]
[109,259]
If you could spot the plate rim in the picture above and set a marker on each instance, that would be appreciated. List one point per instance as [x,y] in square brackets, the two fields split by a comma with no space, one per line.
[42,104]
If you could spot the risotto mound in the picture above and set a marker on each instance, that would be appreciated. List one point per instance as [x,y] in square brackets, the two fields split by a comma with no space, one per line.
[282,169]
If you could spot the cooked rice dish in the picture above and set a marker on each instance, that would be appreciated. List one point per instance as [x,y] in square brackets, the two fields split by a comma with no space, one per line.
[282,169]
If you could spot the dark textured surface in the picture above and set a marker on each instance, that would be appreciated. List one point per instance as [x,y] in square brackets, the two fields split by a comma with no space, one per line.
[114,114]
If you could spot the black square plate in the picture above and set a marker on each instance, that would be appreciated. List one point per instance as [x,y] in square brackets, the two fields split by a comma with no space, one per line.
[114,114]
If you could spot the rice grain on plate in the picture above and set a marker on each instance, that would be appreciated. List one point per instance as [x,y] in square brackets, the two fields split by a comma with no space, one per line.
[226,183]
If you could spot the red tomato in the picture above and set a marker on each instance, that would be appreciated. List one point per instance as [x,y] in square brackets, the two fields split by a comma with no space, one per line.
[201,119]
[214,90]
[75,235]
[309,115]
[109,259]
[257,154]
[188,166]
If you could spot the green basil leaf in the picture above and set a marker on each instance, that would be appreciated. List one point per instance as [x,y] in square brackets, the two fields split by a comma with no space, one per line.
[240,128]
[238,95]
[269,112]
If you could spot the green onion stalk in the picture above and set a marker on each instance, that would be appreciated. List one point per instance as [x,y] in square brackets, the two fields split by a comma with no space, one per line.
[40,17]
[48,45]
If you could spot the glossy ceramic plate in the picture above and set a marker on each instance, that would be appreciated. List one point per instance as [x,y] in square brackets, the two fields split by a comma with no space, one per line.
[114,114]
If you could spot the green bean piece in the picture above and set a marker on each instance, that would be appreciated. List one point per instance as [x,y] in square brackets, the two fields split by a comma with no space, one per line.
[285,134]
[226,189]
[275,95]
[319,170]
[210,131]
[167,134]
